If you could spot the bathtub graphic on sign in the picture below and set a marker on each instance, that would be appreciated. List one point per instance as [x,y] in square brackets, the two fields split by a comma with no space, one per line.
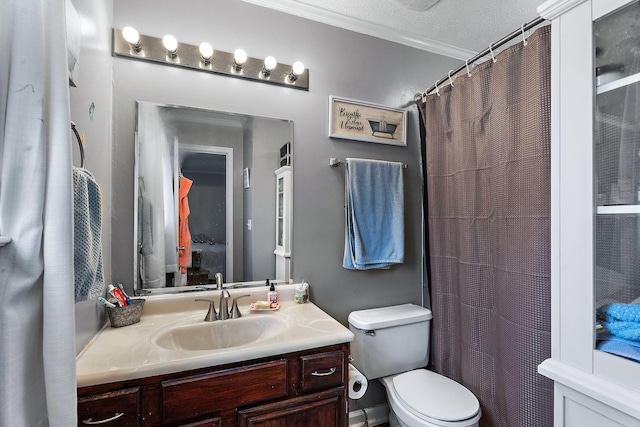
[364,121]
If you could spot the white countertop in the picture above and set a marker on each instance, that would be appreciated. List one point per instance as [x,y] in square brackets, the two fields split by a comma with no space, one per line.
[129,352]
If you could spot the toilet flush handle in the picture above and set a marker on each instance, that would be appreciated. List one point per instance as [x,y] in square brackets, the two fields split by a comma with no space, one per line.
[370,332]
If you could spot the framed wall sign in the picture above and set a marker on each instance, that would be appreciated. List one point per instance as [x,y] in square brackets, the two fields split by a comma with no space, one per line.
[363,121]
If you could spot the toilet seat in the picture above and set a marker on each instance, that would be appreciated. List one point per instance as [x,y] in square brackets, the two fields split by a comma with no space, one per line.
[432,398]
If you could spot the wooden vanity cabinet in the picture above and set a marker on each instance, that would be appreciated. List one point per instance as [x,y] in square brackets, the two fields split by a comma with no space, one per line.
[306,388]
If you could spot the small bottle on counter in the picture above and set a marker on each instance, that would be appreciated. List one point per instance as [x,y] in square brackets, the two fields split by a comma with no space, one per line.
[272,295]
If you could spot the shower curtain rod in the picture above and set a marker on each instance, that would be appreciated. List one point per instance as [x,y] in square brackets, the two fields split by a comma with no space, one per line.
[520,31]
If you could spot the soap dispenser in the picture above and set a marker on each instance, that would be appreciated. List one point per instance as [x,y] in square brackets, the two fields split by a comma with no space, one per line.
[272,295]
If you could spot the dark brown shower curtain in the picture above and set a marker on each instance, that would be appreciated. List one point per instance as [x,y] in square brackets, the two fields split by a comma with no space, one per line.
[488,192]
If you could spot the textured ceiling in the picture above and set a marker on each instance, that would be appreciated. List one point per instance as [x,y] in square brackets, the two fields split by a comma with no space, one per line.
[457,28]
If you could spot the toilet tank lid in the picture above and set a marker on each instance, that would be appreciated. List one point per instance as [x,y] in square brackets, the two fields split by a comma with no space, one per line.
[386,317]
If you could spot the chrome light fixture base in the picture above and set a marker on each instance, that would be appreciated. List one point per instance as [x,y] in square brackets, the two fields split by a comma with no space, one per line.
[222,63]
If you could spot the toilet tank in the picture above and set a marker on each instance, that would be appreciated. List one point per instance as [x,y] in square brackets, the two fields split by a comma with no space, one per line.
[390,340]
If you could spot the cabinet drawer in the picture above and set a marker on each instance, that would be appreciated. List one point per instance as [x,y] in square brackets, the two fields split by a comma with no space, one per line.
[116,408]
[322,370]
[204,394]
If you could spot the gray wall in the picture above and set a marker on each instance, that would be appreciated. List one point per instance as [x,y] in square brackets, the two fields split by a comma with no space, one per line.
[94,86]
[341,63]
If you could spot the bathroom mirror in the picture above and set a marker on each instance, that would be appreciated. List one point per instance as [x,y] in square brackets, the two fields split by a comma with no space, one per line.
[229,176]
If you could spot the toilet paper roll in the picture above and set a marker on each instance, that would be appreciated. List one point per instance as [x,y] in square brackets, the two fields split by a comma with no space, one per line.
[357,383]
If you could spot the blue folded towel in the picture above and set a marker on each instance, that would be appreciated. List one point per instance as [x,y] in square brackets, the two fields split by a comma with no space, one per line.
[619,346]
[87,241]
[374,231]
[622,320]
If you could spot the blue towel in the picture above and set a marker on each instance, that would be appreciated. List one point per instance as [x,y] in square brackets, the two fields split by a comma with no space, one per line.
[87,241]
[619,346]
[374,230]
[622,320]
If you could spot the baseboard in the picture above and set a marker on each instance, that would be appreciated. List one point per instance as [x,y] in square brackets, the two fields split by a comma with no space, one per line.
[376,415]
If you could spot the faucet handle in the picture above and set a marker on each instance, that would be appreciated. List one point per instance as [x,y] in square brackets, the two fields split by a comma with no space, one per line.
[211,314]
[235,311]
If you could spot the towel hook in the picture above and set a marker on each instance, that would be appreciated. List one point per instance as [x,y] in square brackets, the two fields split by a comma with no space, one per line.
[437,88]
[466,63]
[491,50]
[450,81]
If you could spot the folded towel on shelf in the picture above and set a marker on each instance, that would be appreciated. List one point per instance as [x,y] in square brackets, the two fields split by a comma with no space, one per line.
[619,346]
[374,229]
[622,320]
[87,241]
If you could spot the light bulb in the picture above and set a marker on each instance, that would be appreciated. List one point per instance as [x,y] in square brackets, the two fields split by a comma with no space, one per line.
[131,35]
[171,44]
[298,68]
[270,63]
[206,51]
[240,56]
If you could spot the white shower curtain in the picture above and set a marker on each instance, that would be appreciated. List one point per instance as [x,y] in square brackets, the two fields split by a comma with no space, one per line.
[37,329]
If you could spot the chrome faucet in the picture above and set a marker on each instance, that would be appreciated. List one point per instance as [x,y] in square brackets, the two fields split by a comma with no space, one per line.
[224,306]
[219,281]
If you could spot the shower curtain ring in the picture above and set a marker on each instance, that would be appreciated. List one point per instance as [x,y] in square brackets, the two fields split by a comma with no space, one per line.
[437,88]
[450,81]
[491,50]
[424,97]
[466,64]
[524,39]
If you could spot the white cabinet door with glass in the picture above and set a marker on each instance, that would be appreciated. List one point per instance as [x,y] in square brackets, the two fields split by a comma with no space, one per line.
[595,196]
[283,223]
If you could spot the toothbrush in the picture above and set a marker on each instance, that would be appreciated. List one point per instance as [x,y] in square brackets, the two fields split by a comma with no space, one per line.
[106,303]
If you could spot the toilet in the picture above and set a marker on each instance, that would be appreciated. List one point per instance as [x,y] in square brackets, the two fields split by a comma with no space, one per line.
[392,344]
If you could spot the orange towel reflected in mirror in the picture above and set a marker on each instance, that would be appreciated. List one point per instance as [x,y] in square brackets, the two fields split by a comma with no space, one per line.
[184,236]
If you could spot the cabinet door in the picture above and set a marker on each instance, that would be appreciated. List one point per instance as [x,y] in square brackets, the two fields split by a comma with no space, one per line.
[211,422]
[320,409]
[617,187]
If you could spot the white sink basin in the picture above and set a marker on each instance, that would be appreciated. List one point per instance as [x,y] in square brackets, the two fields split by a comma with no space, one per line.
[221,334]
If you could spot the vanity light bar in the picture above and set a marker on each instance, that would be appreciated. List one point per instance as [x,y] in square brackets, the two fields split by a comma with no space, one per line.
[189,56]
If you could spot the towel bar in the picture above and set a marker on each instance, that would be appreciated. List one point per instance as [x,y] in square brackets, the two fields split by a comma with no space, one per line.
[334,162]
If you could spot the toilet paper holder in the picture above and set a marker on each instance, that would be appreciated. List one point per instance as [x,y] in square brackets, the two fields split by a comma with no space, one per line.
[357,383]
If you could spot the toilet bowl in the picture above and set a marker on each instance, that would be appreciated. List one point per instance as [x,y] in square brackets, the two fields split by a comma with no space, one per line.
[392,344]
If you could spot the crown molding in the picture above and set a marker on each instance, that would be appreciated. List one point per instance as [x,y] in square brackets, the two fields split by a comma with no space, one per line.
[334,19]
[553,8]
